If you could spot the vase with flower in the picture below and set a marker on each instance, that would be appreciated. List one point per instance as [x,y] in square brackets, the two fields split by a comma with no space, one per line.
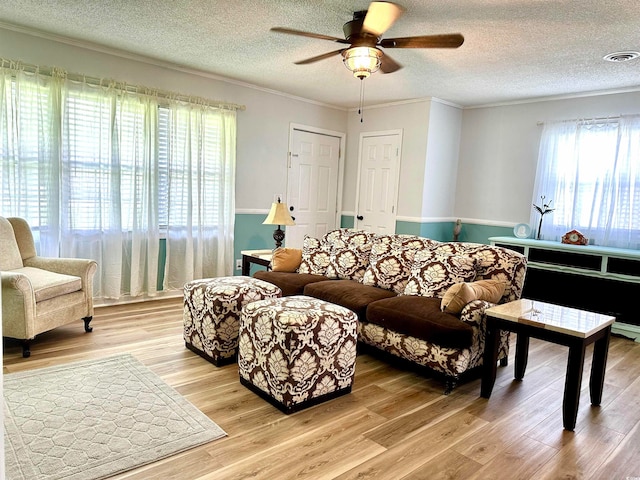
[542,210]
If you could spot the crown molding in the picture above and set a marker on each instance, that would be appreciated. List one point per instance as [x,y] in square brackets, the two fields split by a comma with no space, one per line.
[553,98]
[154,61]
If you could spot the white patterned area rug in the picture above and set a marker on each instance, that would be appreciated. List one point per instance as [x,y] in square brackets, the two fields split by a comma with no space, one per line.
[94,419]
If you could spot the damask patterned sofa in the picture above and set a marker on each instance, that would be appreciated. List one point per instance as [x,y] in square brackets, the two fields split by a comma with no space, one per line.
[415,298]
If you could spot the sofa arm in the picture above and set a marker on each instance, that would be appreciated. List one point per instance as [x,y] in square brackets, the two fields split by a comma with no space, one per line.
[79,267]
[18,305]
[473,313]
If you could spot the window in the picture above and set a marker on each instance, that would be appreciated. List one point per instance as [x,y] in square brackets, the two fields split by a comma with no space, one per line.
[102,170]
[103,157]
[176,174]
[591,171]
[26,173]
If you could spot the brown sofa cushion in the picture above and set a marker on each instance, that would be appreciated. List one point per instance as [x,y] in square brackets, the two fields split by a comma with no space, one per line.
[347,293]
[422,318]
[289,283]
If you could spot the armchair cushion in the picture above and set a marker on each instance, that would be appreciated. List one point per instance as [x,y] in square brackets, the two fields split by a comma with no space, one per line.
[77,267]
[48,284]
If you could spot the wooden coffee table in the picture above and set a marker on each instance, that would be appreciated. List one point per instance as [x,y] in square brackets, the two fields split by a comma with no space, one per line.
[553,323]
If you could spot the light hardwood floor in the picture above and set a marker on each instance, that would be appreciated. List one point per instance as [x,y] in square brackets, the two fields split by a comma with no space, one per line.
[396,424]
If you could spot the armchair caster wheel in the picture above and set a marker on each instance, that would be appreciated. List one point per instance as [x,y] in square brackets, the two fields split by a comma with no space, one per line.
[26,349]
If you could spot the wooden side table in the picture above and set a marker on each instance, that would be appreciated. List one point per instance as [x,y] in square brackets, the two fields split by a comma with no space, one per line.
[258,257]
[553,323]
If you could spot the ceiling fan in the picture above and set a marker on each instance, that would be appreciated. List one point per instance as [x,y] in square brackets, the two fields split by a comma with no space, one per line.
[363,34]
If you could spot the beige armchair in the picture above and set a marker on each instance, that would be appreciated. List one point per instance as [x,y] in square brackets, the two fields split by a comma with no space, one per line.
[38,293]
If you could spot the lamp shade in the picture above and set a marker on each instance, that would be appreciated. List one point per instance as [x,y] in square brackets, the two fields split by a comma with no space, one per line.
[278,215]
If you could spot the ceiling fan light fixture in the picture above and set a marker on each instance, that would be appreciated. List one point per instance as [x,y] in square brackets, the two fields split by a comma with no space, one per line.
[362,61]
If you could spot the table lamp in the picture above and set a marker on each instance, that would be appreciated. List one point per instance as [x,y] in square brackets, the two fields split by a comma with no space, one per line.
[278,215]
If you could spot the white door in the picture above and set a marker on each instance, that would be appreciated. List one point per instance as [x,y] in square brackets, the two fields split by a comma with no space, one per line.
[312,187]
[378,178]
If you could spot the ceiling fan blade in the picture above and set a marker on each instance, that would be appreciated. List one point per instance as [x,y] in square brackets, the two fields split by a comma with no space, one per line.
[319,57]
[380,16]
[388,64]
[452,40]
[291,31]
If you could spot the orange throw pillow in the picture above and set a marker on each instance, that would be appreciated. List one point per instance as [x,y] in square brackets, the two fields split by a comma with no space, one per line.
[286,259]
[458,295]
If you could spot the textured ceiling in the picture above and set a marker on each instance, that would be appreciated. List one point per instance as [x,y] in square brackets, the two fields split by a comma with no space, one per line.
[513,49]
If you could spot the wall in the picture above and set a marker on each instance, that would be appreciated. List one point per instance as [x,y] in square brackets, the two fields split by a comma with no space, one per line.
[499,152]
[489,186]
[428,167]
[262,129]
[441,169]
[413,119]
[488,182]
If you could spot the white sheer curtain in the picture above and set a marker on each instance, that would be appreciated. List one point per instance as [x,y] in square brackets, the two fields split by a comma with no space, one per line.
[201,197]
[105,171]
[30,104]
[110,186]
[591,172]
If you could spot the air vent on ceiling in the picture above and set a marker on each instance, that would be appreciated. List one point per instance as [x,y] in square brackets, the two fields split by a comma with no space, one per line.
[621,56]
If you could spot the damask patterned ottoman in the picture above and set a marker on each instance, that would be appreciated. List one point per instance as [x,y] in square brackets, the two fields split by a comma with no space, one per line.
[297,351]
[211,314]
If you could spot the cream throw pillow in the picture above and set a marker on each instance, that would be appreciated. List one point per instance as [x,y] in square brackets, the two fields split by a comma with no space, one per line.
[286,259]
[458,295]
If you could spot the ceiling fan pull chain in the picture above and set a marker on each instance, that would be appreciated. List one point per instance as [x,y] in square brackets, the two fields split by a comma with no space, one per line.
[361,109]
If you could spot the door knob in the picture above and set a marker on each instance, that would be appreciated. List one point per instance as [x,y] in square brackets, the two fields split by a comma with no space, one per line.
[360,217]
[291,208]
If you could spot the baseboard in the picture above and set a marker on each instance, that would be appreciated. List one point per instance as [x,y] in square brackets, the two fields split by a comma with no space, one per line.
[627,330]
[126,299]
